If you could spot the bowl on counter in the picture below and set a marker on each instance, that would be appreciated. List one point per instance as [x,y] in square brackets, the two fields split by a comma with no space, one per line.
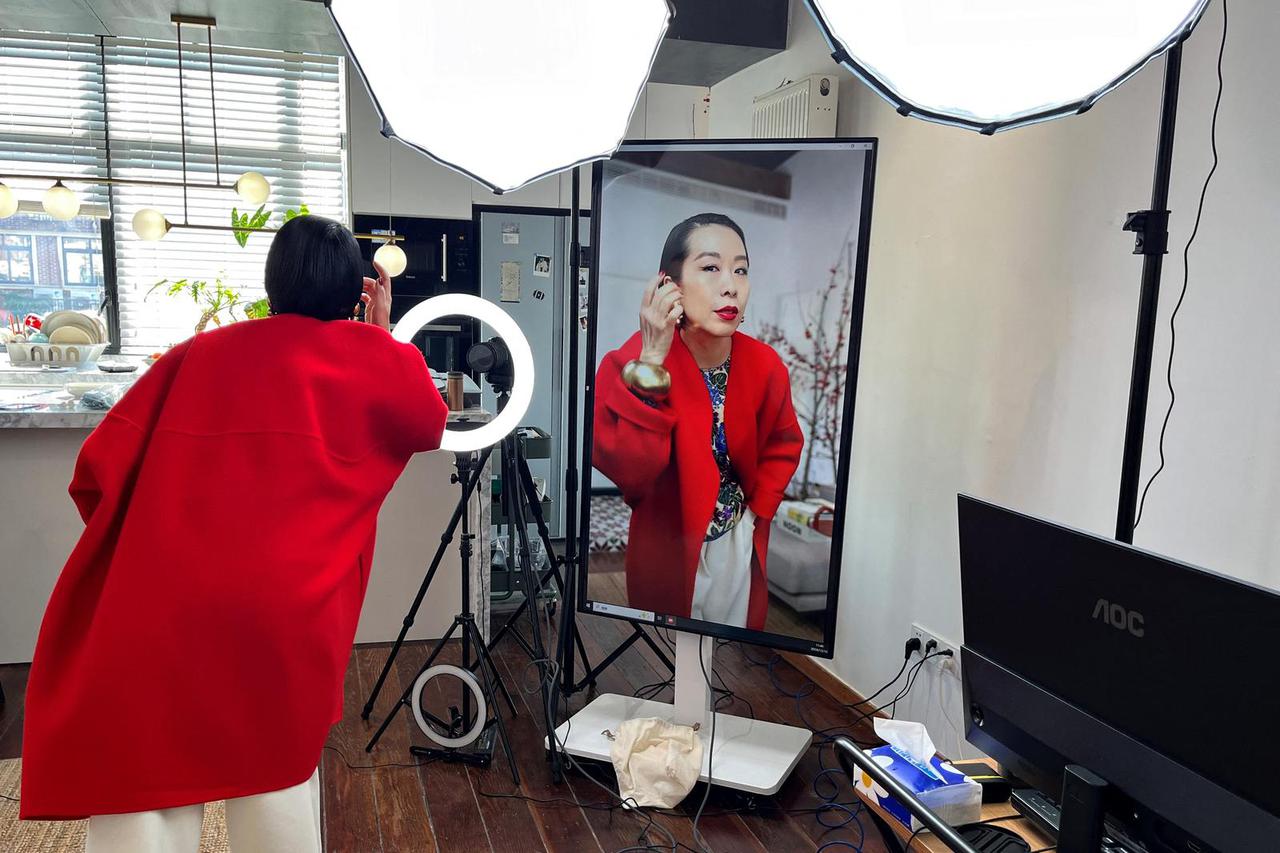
[79,389]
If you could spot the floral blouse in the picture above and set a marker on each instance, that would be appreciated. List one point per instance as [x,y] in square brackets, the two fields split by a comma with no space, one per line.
[730,499]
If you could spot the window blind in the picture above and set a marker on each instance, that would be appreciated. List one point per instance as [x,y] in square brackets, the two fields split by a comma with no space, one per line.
[52,115]
[278,113]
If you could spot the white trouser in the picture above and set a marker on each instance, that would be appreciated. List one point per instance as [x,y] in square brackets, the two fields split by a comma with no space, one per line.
[284,821]
[722,587]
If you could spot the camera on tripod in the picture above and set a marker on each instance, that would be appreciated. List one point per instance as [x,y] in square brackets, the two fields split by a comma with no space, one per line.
[493,359]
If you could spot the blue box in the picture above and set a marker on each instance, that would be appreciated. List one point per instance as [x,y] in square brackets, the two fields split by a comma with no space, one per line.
[952,795]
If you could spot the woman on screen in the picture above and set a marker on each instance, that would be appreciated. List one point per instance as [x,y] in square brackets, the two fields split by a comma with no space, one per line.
[694,423]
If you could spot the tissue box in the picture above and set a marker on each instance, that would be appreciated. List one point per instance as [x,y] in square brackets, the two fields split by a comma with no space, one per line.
[948,792]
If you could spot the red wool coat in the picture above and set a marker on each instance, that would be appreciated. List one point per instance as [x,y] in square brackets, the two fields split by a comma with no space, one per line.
[661,459]
[195,644]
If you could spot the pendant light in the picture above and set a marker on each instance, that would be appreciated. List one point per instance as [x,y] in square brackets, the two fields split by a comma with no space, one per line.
[253,188]
[150,224]
[389,256]
[60,202]
[8,201]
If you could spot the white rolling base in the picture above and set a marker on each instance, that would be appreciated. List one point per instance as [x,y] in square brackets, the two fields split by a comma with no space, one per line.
[750,755]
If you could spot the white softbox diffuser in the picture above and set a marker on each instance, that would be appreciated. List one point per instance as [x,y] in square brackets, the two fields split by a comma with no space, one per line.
[505,91]
[991,65]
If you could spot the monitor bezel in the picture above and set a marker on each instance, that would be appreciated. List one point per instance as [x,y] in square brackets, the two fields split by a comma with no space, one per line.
[825,647]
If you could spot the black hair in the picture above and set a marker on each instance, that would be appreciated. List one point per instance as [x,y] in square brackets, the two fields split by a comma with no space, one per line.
[676,249]
[314,269]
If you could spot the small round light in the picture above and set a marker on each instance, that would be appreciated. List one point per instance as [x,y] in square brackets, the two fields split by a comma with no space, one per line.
[465,305]
[253,188]
[61,202]
[391,258]
[8,201]
[150,224]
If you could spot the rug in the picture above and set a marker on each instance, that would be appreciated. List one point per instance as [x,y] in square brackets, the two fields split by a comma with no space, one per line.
[67,836]
[610,520]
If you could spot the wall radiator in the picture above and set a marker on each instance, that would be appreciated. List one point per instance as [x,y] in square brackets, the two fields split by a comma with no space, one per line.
[805,108]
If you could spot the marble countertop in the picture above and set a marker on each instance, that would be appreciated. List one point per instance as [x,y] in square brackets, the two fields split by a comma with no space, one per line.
[34,398]
[54,409]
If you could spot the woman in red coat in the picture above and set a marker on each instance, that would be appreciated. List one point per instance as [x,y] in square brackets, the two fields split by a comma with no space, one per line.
[195,644]
[694,423]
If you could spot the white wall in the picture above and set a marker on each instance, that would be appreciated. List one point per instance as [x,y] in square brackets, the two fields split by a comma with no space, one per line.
[999,325]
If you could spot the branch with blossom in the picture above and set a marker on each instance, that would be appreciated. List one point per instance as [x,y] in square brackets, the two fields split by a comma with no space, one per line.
[817,357]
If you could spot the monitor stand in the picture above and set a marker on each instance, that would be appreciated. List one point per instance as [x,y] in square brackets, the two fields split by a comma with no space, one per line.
[749,755]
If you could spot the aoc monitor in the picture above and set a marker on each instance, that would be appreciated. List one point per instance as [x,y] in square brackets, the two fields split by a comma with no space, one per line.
[1080,650]
[724,319]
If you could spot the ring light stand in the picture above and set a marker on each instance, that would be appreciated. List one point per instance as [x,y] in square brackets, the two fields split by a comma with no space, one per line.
[464,729]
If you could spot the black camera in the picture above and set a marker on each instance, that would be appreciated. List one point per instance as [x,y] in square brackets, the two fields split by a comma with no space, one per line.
[493,359]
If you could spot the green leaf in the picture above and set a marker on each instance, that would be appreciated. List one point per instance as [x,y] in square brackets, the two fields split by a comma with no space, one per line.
[258,309]
[302,210]
[243,222]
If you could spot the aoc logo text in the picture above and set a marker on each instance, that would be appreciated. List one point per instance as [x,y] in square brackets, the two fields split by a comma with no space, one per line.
[1119,617]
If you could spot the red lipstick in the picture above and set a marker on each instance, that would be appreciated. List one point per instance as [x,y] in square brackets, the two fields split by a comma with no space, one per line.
[728,313]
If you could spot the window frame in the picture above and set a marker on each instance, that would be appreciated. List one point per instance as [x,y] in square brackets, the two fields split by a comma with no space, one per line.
[6,279]
[96,282]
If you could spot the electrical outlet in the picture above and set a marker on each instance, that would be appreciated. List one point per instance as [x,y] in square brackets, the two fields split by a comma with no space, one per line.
[944,664]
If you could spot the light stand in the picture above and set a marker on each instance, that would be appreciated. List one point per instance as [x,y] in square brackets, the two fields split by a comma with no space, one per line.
[1152,227]
[470,470]
[509,363]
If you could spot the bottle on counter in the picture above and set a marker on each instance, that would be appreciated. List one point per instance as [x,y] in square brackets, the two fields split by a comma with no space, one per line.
[454,391]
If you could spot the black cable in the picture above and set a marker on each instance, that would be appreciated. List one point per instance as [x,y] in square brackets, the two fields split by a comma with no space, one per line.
[902,693]
[351,766]
[552,671]
[1186,273]
[886,686]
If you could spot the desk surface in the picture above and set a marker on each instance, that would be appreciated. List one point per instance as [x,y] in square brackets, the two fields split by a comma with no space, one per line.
[925,841]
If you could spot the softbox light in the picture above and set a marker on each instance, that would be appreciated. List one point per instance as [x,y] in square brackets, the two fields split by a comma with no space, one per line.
[504,91]
[990,65]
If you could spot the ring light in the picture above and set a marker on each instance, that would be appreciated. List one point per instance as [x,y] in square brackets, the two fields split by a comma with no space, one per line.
[461,304]
[477,693]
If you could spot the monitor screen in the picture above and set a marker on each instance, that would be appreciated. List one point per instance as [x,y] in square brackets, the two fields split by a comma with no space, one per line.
[1082,650]
[724,324]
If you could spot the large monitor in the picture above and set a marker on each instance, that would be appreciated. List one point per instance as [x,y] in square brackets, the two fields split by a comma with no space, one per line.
[739,267]
[1150,673]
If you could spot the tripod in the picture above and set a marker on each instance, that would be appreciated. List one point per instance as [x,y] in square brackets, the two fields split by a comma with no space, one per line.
[470,469]
[517,492]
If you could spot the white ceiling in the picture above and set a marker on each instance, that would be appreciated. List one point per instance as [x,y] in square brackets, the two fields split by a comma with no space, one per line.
[301,25]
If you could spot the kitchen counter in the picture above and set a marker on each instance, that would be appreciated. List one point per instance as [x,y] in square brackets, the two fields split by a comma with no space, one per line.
[32,397]
[39,527]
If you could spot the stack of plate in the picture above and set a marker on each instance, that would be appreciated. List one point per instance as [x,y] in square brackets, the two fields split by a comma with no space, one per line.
[76,339]
[74,327]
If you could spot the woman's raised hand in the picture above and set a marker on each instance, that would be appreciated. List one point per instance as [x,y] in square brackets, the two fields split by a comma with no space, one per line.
[377,298]
[660,312]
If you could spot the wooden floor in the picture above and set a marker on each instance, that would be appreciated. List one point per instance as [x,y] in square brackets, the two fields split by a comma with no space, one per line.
[449,807]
